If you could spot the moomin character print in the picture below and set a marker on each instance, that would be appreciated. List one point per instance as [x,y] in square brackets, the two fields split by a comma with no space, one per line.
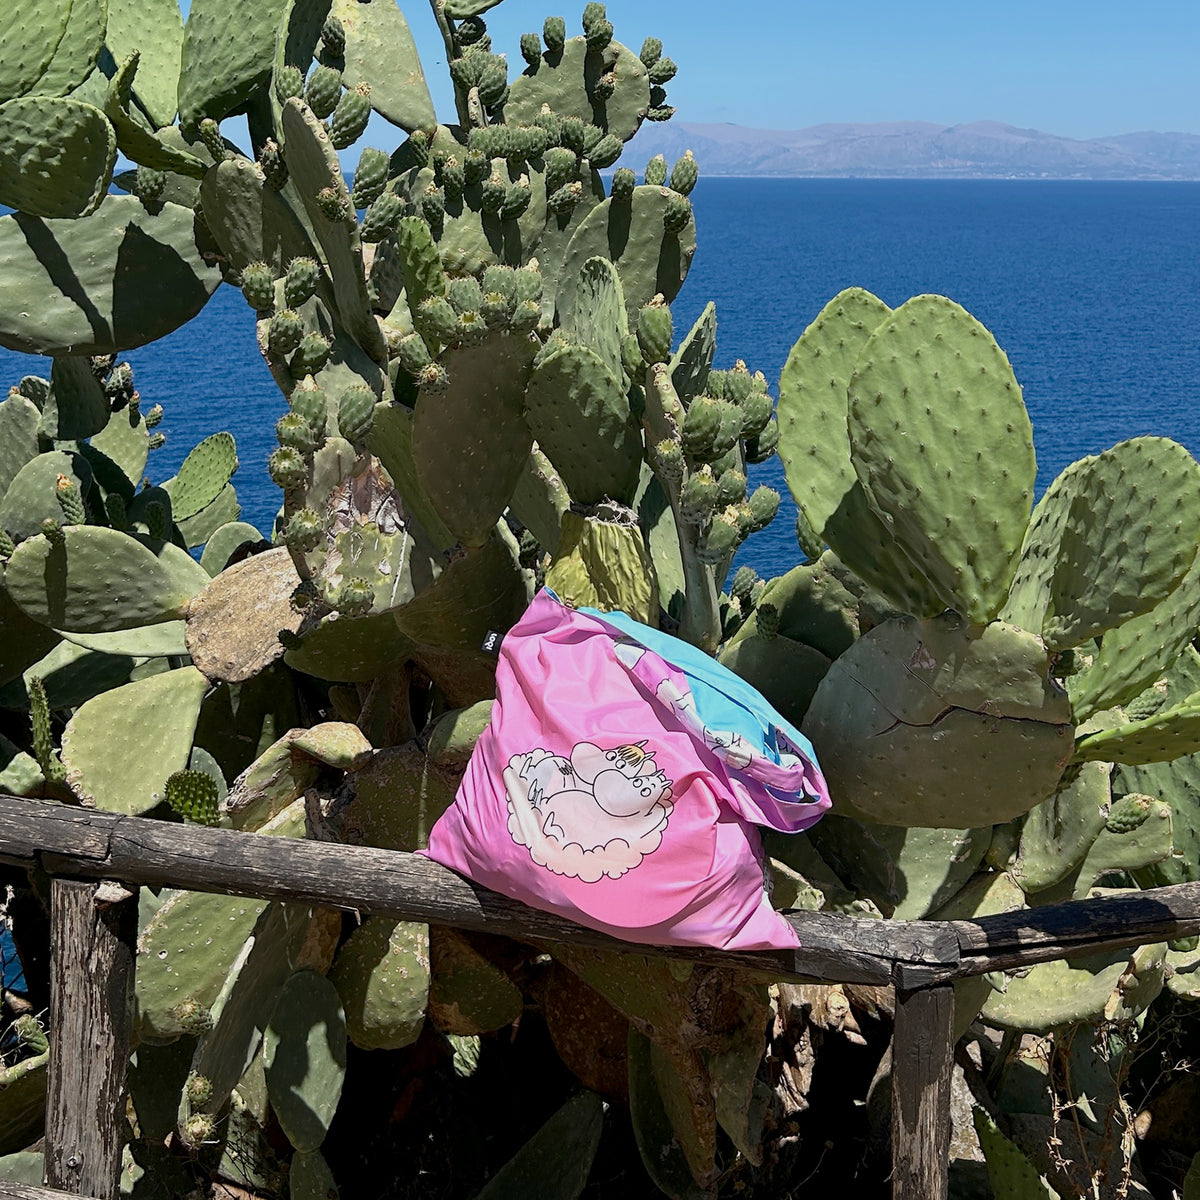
[593,815]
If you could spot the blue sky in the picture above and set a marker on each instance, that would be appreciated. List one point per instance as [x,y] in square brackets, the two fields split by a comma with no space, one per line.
[1071,67]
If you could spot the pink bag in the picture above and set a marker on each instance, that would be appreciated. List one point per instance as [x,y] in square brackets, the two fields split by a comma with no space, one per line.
[620,781]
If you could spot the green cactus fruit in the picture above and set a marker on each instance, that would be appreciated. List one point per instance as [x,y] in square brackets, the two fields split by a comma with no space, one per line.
[433,379]
[454,180]
[472,328]
[759,449]
[606,151]
[660,112]
[517,198]
[731,488]
[334,204]
[323,90]
[744,580]
[300,283]
[766,617]
[333,36]
[418,148]
[527,282]
[356,413]
[493,81]
[156,441]
[293,430]
[370,177]
[652,49]
[284,332]
[258,286]
[764,504]
[153,416]
[308,401]
[149,185]
[287,468]
[436,320]
[115,510]
[214,143]
[564,201]
[554,31]
[304,531]
[677,213]
[413,354]
[531,48]
[592,136]
[526,317]
[289,82]
[738,383]
[432,205]
[656,171]
[356,597]
[382,217]
[662,72]
[1128,813]
[491,194]
[658,98]
[1151,701]
[729,429]
[465,295]
[495,311]
[471,30]
[274,168]
[561,167]
[809,540]
[605,87]
[193,795]
[757,410]
[669,462]
[572,134]
[7,545]
[722,538]
[500,279]
[698,497]
[600,34]
[655,330]
[157,520]
[66,492]
[311,355]
[622,185]
[701,425]
[685,172]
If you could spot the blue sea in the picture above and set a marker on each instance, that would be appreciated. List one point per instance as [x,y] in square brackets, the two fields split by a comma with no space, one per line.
[1093,290]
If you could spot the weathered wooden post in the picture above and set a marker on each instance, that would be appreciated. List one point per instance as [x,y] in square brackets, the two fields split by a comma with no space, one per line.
[91,982]
[922,1059]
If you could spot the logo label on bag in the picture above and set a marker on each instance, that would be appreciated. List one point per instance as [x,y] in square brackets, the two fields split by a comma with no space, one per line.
[591,816]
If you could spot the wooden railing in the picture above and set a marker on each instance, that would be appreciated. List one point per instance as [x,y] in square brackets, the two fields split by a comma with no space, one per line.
[98,860]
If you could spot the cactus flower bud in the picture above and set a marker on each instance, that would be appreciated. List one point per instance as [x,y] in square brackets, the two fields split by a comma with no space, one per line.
[334,204]
[197,1130]
[198,1089]
[684,174]
[656,171]
[192,1017]
[433,379]
[654,331]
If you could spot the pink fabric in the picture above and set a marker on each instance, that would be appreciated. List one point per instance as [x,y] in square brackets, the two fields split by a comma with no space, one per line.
[591,795]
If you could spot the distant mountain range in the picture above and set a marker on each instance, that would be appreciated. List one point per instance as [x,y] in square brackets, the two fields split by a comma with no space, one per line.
[920,150]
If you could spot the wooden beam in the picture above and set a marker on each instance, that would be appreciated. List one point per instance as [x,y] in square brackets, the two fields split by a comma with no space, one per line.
[91,987]
[25,1191]
[84,842]
[80,842]
[922,1059]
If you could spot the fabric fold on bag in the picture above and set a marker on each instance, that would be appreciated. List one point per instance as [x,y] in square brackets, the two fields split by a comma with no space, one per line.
[620,781]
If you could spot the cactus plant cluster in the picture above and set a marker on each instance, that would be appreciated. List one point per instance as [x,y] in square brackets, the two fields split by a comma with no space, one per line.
[484,390]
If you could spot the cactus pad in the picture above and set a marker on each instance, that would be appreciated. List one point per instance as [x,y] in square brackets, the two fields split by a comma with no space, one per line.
[603,563]
[943,446]
[77,299]
[936,723]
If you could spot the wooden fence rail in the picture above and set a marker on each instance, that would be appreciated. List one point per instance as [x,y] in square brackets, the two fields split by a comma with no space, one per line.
[94,932]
